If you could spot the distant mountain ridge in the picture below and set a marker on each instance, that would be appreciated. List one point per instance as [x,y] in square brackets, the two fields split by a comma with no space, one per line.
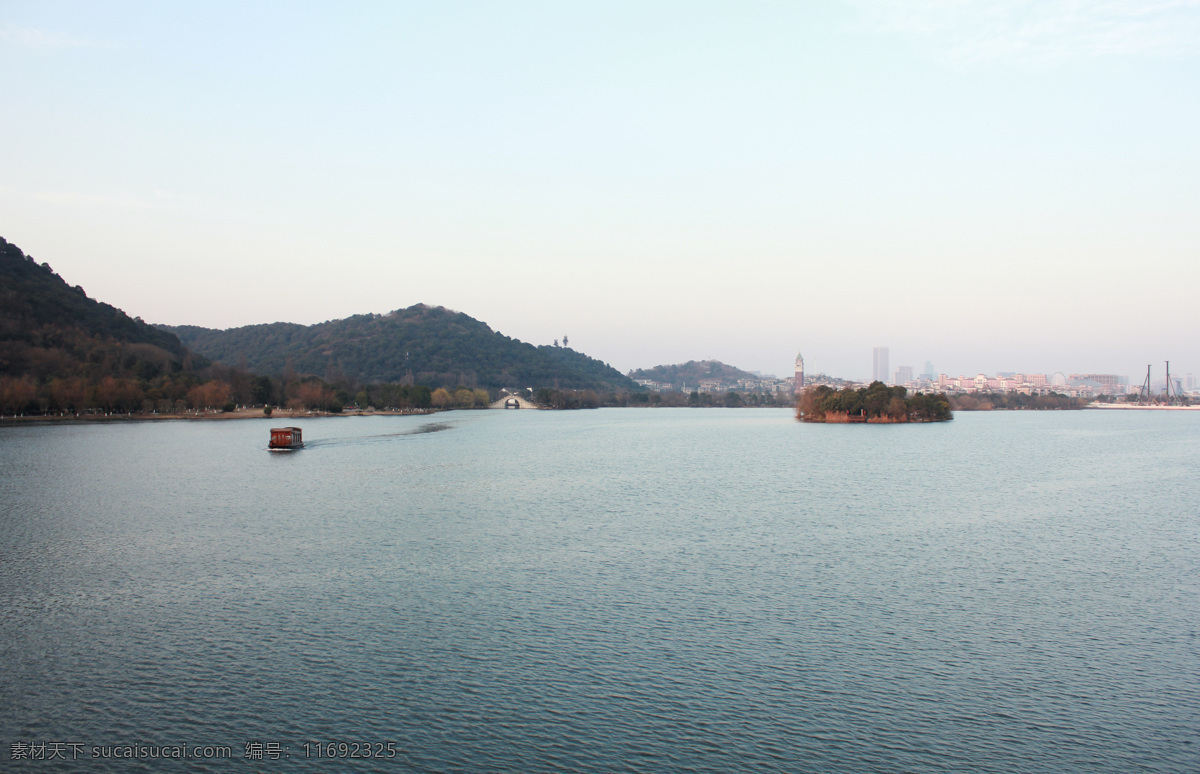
[691,373]
[49,329]
[64,353]
[428,345]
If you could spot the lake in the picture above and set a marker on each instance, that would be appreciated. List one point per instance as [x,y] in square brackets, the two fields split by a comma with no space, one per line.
[658,590]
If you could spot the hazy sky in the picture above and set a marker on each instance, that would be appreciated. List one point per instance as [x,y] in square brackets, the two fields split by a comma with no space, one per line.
[990,186]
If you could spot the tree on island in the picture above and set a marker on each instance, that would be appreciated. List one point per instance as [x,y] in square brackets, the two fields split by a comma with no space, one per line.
[876,403]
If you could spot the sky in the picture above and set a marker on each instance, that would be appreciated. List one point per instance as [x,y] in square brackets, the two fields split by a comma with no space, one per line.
[988,186]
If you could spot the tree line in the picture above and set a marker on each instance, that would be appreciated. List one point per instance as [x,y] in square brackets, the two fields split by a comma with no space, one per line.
[573,399]
[212,388]
[1011,401]
[131,386]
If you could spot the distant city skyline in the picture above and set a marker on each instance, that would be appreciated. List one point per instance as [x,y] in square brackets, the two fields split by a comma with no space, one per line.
[991,187]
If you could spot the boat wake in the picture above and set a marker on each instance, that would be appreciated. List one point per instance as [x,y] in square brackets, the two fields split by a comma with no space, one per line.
[432,427]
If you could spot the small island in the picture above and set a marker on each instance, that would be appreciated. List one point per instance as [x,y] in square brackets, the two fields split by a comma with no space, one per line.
[876,404]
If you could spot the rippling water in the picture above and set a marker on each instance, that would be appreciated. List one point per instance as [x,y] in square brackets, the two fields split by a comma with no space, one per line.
[614,590]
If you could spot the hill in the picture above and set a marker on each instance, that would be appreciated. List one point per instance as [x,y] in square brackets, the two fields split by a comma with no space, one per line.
[49,329]
[690,374]
[428,345]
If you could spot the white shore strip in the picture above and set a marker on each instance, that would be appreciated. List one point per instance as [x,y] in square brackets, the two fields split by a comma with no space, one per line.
[1135,407]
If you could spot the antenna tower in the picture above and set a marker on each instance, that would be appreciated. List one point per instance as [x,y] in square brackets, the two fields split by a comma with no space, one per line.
[1172,393]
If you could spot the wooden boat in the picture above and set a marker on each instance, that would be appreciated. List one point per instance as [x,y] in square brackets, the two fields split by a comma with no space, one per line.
[285,439]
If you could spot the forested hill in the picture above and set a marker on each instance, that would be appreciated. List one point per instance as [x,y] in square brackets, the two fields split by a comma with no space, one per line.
[49,329]
[691,373]
[431,345]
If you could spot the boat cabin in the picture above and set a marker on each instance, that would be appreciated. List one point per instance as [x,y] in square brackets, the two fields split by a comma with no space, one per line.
[285,438]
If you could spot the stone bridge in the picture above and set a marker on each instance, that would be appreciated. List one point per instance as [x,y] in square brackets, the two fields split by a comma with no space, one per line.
[514,402]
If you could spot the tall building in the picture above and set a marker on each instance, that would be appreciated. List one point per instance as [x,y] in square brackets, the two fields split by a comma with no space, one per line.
[929,374]
[879,365]
[799,373]
[904,374]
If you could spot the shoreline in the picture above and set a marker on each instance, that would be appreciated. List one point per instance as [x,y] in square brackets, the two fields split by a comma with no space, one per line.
[288,416]
[204,416]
